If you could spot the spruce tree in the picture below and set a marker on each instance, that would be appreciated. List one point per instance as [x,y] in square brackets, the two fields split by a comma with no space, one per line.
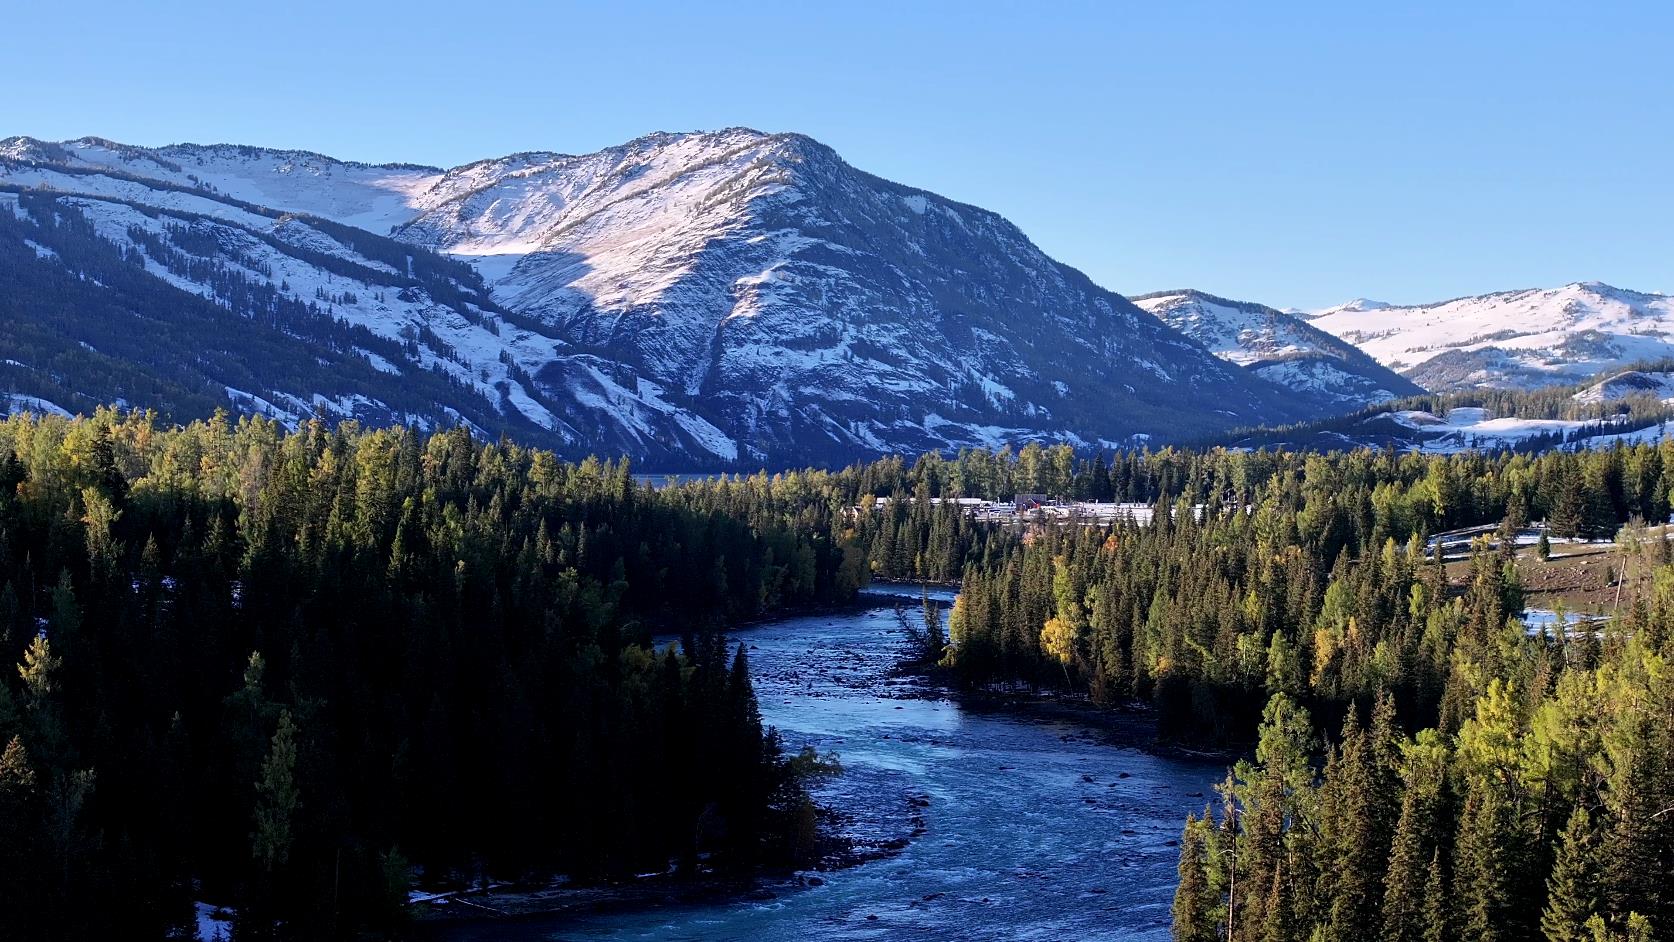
[1438,917]
[1570,892]
[1415,842]
[1278,921]
[1193,899]
[1487,865]
[1351,836]
[277,798]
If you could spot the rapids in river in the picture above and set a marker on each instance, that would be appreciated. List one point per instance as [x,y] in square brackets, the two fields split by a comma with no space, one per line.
[1020,827]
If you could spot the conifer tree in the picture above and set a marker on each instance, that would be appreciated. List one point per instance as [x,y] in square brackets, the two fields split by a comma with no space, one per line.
[1486,863]
[1570,892]
[1414,843]
[1193,909]
[1278,921]
[1438,918]
[17,776]
[277,798]
[1355,849]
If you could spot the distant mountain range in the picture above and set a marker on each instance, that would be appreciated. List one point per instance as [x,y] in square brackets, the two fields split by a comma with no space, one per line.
[688,299]
[693,300]
[1280,348]
[1515,339]
[1347,354]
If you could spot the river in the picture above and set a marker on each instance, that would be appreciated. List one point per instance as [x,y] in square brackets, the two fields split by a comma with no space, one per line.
[1021,827]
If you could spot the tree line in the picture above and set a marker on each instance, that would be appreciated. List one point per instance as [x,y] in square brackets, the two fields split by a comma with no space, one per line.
[288,670]
[1426,766]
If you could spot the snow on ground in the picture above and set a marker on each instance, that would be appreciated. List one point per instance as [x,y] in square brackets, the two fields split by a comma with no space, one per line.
[383,311]
[732,263]
[1471,427]
[1538,621]
[1649,435]
[17,403]
[1552,335]
[1630,383]
[370,197]
[214,922]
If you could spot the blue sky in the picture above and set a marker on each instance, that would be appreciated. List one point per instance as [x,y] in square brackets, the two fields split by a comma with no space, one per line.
[1290,153]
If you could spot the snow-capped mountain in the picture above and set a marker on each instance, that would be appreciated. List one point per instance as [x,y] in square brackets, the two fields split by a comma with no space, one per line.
[1513,338]
[1280,348]
[690,299]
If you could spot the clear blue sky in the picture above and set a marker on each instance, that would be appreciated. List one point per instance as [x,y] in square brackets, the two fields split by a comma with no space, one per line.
[1291,153]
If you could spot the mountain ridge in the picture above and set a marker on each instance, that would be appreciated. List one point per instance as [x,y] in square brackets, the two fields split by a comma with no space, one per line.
[684,297]
[1279,347]
[1523,338]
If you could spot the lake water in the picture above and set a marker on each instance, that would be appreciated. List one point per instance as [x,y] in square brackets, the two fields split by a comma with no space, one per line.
[1031,829]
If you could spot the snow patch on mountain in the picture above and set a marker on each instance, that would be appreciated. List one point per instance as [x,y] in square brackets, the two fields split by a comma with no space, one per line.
[1657,384]
[1278,347]
[1519,339]
[687,298]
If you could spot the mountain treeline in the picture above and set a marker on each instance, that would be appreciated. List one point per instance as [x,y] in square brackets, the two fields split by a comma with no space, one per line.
[278,669]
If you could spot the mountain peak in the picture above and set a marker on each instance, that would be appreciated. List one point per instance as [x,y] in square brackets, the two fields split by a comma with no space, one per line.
[1355,306]
[21,148]
[688,298]
[1278,347]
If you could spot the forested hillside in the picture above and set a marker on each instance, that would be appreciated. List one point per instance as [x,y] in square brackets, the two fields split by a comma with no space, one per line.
[288,671]
[275,670]
[1427,765]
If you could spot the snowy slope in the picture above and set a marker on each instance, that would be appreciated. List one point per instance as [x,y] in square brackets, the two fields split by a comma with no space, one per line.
[686,298]
[800,299]
[1514,338]
[366,196]
[1279,348]
[1656,384]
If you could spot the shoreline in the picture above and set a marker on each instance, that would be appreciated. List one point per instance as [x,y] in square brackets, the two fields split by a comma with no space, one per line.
[503,903]
[1130,725]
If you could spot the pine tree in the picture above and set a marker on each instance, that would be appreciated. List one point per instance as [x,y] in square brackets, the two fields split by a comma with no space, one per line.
[1487,865]
[1193,899]
[1438,921]
[277,798]
[39,671]
[1570,896]
[1635,928]
[1569,509]
[1350,835]
[1278,921]
[1414,842]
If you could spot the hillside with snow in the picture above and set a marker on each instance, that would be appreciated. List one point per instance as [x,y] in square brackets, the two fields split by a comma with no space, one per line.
[1518,339]
[1657,384]
[689,299]
[1280,348]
